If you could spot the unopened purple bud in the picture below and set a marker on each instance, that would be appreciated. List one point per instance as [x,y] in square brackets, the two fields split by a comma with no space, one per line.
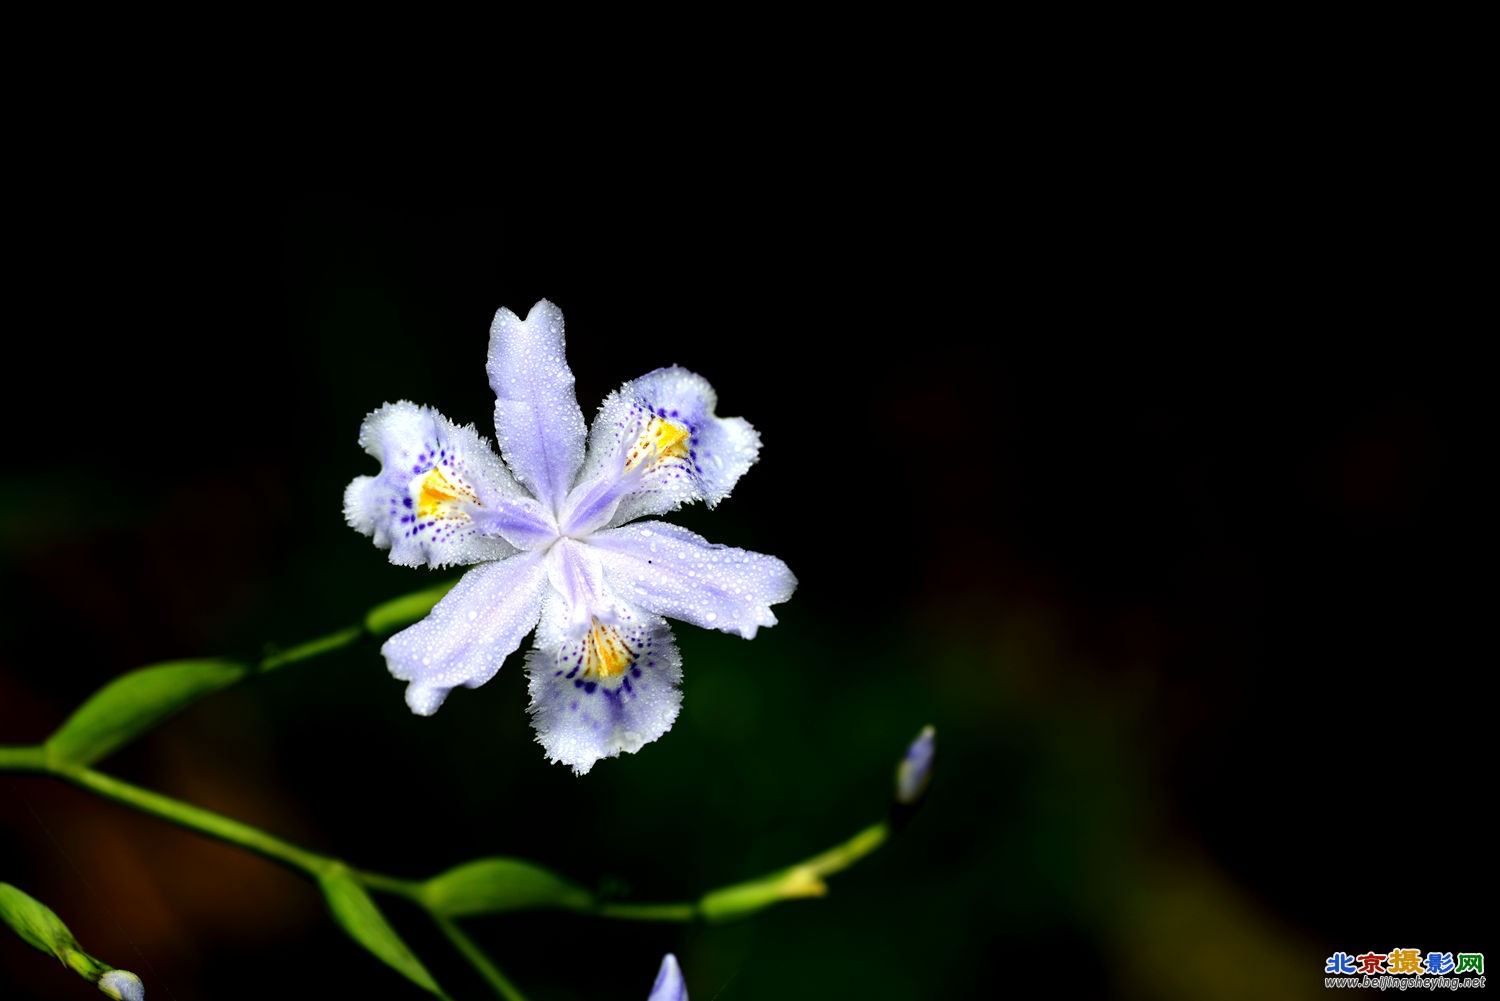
[669,984]
[915,770]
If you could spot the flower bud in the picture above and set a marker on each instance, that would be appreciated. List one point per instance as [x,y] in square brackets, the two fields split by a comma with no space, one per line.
[915,770]
[744,899]
[669,984]
[122,985]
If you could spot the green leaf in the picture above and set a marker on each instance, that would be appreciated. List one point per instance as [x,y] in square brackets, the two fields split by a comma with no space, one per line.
[494,885]
[130,705]
[403,611]
[41,928]
[357,914]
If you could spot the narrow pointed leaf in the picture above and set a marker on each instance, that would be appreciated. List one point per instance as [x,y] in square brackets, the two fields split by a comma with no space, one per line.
[495,885]
[33,920]
[357,914]
[391,615]
[41,928]
[134,703]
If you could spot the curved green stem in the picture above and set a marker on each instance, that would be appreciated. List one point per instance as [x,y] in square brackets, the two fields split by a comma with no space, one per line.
[738,900]
[310,649]
[197,819]
[252,839]
[408,888]
[803,879]
[384,618]
[680,913]
[842,856]
[477,959]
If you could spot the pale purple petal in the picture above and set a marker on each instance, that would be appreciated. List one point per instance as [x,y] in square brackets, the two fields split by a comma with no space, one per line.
[669,984]
[537,420]
[468,635]
[656,445]
[611,690]
[676,573]
[442,497]
[576,575]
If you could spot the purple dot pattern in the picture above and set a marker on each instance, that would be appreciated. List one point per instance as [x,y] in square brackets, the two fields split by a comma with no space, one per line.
[581,716]
[419,447]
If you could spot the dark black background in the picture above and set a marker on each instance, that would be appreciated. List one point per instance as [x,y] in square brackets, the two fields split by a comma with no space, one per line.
[1125,452]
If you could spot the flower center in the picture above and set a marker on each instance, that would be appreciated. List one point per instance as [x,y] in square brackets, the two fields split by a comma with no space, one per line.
[443,496]
[661,439]
[605,652]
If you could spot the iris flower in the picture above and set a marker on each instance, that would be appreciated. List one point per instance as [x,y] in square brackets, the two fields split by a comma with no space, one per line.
[562,539]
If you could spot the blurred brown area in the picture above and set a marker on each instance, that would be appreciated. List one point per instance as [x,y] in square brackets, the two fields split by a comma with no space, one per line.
[1143,494]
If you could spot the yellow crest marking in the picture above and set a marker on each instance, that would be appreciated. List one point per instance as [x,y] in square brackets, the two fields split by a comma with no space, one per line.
[660,440]
[605,652]
[441,495]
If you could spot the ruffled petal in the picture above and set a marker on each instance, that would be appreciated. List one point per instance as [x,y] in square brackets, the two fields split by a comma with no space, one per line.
[655,446]
[669,984]
[611,689]
[537,420]
[441,497]
[468,635]
[679,574]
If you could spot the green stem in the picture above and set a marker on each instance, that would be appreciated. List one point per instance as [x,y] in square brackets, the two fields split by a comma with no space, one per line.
[250,838]
[476,957]
[739,900]
[408,888]
[312,648]
[680,913]
[23,759]
[840,857]
[196,818]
